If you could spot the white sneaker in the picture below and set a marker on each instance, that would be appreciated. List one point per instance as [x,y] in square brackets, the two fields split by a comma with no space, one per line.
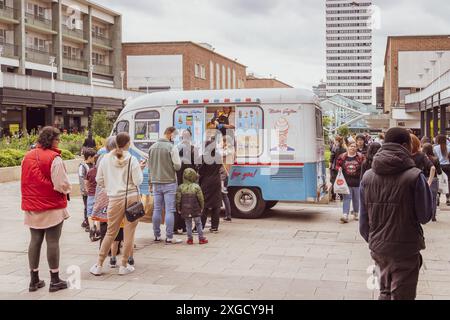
[355,216]
[344,219]
[173,241]
[123,271]
[96,270]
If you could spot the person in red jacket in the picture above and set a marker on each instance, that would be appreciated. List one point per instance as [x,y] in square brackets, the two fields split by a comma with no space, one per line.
[45,186]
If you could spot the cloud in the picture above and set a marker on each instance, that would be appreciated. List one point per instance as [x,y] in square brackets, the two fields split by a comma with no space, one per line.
[285,38]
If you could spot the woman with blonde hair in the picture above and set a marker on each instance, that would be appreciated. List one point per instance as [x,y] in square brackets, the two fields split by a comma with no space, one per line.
[121,175]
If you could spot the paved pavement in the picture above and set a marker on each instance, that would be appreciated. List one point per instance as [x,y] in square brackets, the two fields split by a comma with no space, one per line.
[295,252]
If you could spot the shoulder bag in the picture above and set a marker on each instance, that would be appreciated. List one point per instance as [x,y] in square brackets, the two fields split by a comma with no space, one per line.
[136,210]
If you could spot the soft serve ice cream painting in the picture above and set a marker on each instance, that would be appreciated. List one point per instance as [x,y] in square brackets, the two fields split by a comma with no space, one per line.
[281,128]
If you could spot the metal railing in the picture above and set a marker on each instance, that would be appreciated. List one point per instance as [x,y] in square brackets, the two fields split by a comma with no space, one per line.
[37,56]
[75,78]
[96,38]
[74,63]
[38,21]
[9,50]
[72,32]
[17,81]
[101,68]
[8,12]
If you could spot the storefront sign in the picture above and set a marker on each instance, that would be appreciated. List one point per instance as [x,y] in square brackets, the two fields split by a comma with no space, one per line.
[14,128]
[75,112]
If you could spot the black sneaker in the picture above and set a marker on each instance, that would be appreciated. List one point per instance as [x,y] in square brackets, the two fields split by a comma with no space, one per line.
[85,224]
[131,261]
[227,219]
[214,230]
[87,229]
[113,262]
[157,239]
[194,231]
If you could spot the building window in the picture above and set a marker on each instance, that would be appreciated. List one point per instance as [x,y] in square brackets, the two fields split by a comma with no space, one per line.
[229,78]
[234,79]
[217,76]
[224,77]
[197,71]
[211,75]
[203,72]
[2,35]
[98,59]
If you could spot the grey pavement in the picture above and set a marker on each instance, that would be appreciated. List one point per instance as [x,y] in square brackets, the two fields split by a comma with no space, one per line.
[295,252]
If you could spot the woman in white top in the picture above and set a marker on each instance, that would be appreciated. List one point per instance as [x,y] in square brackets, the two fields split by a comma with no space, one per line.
[116,168]
[441,150]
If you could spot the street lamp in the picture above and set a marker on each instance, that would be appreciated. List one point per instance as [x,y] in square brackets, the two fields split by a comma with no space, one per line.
[91,82]
[147,79]
[122,75]
[52,60]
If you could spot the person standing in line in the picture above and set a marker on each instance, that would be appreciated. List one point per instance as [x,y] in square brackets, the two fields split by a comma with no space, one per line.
[164,162]
[116,169]
[350,163]
[83,170]
[371,152]
[441,151]
[395,201]
[91,186]
[361,144]
[190,204]
[428,150]
[336,151]
[210,184]
[421,160]
[89,142]
[45,187]
[189,156]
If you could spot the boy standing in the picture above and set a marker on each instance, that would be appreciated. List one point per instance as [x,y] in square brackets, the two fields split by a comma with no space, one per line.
[83,170]
[190,203]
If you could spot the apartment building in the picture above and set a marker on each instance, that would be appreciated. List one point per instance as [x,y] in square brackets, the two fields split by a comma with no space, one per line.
[154,66]
[73,41]
[349,49]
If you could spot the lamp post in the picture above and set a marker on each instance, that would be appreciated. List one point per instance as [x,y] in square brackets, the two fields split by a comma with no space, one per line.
[52,60]
[147,79]
[122,76]
[91,82]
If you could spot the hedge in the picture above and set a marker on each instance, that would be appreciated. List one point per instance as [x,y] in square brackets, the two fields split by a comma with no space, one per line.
[13,157]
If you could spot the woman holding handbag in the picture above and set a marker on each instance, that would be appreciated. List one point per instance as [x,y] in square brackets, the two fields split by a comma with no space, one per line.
[351,163]
[120,174]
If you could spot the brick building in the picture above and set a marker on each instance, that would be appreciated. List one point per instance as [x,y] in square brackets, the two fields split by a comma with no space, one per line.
[412,63]
[253,82]
[179,66]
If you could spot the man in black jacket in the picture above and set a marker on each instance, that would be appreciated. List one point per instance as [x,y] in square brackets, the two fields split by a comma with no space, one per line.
[395,201]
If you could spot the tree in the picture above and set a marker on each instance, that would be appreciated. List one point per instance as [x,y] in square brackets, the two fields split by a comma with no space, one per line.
[343,131]
[326,125]
[101,124]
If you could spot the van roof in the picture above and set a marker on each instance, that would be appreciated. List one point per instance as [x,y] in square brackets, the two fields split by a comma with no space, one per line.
[265,96]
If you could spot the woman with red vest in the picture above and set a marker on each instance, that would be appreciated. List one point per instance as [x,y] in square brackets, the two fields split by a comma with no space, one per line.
[45,186]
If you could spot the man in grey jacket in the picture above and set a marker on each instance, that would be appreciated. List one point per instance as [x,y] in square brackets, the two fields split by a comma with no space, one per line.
[164,162]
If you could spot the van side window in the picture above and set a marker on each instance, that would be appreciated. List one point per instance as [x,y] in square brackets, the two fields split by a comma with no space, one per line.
[319,124]
[146,129]
[122,126]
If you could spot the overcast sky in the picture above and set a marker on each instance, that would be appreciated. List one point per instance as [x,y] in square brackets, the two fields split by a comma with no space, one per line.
[283,38]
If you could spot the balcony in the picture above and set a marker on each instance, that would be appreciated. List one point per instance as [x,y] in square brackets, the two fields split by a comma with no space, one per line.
[75,78]
[101,40]
[103,69]
[74,63]
[38,21]
[9,50]
[8,13]
[73,32]
[37,56]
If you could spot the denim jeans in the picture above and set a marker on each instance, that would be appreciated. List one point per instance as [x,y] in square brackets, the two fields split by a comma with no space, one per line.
[164,197]
[198,225]
[353,197]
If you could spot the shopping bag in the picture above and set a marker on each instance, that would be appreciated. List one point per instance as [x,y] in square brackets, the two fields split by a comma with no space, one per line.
[340,185]
[148,202]
[443,183]
[100,210]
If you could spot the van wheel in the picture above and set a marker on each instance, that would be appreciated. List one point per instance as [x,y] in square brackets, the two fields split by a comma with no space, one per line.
[271,204]
[247,203]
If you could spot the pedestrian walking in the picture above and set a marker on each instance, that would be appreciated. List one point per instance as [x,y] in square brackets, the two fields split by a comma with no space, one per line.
[190,203]
[45,187]
[120,174]
[428,150]
[211,185]
[371,152]
[350,163]
[441,151]
[395,201]
[164,162]
[337,150]
[83,170]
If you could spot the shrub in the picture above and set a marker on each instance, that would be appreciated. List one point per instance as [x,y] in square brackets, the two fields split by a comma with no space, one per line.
[67,155]
[11,157]
[101,124]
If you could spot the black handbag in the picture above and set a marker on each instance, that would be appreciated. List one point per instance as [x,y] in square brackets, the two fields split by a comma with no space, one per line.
[136,210]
